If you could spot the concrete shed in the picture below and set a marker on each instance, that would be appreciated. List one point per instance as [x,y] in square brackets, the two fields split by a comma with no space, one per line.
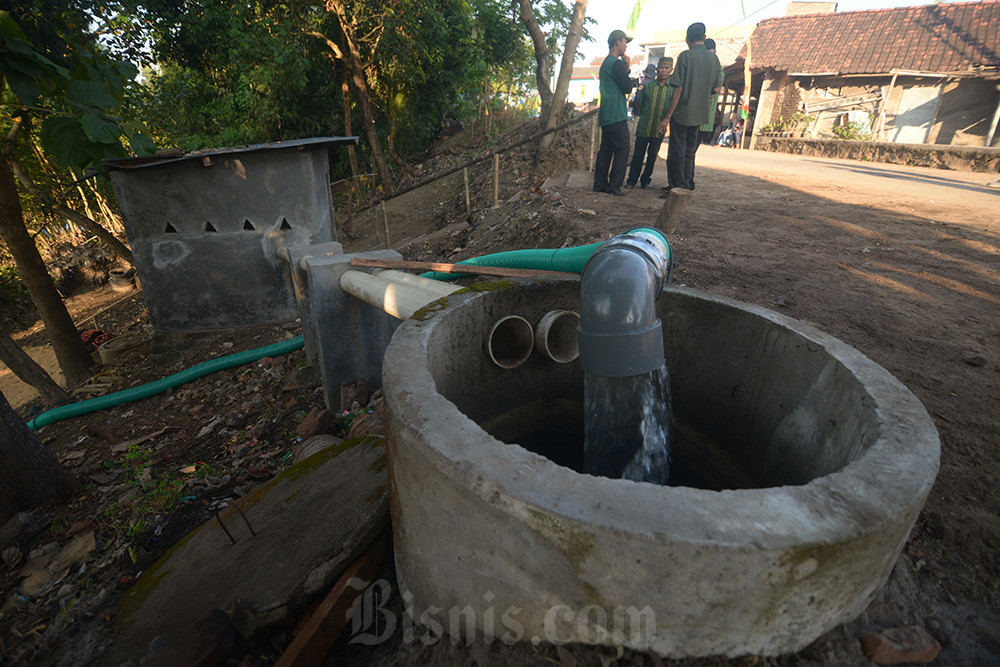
[205,227]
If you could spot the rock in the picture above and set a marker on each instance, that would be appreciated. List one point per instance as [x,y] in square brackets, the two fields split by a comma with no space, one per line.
[351,392]
[317,422]
[17,526]
[300,378]
[910,644]
[12,557]
[80,527]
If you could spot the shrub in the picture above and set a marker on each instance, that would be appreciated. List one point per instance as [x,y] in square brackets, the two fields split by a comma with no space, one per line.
[852,131]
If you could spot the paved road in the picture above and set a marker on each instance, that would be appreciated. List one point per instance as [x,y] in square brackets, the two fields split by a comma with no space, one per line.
[968,195]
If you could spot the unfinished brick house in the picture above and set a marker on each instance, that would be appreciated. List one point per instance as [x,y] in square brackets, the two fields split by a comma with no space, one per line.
[925,75]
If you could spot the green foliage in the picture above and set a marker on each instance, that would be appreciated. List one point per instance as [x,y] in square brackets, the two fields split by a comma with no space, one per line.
[55,72]
[150,495]
[14,297]
[852,131]
[796,122]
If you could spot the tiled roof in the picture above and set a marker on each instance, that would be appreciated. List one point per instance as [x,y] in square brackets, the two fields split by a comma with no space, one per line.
[957,37]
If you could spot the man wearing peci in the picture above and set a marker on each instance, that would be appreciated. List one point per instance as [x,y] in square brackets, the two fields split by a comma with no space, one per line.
[653,102]
[697,76]
[613,117]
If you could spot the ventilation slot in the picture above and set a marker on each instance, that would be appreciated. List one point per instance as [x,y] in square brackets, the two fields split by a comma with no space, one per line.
[169,229]
[284,224]
[209,227]
[247,226]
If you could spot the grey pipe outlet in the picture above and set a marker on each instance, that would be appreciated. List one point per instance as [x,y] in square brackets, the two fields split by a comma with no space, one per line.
[620,334]
[556,337]
[510,341]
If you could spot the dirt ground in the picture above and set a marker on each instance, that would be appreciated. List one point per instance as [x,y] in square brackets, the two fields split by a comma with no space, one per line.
[901,263]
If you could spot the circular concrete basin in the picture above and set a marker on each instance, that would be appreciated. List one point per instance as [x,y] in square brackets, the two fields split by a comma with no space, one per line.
[494,539]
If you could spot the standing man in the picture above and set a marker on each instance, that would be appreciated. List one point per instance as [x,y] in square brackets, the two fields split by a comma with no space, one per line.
[708,128]
[653,102]
[697,77]
[613,117]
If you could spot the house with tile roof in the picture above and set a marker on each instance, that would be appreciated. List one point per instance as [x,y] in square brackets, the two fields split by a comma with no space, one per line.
[927,74]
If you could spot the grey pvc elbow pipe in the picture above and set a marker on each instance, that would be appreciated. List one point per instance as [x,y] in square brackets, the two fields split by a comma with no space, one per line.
[620,334]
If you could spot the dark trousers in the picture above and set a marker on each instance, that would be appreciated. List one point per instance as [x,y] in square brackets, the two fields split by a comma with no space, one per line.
[683,145]
[612,155]
[645,147]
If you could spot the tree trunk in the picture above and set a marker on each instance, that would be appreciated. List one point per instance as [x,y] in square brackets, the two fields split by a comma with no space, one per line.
[352,155]
[573,36]
[74,360]
[25,368]
[360,81]
[543,56]
[29,474]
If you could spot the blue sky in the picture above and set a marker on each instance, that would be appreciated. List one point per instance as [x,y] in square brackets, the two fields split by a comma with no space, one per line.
[678,14]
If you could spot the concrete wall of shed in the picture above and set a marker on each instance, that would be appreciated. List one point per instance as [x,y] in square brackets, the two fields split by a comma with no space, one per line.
[205,237]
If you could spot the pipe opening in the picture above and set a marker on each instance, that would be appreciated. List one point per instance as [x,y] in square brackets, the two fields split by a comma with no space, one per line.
[556,336]
[510,341]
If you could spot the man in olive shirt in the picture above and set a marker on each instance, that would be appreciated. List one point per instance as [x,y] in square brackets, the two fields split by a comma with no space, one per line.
[697,76]
[613,117]
[653,102]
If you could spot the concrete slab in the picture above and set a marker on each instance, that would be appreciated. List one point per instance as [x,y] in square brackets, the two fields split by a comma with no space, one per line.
[310,522]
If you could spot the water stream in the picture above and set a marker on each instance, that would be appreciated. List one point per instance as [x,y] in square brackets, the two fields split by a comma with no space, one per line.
[627,426]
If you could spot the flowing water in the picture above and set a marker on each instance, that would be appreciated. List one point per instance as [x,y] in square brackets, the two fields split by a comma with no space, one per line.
[627,426]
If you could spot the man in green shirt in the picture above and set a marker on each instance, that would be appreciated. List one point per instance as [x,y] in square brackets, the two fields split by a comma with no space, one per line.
[708,128]
[653,102]
[613,117]
[696,78]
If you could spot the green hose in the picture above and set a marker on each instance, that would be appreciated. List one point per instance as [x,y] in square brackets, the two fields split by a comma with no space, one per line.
[163,384]
[568,260]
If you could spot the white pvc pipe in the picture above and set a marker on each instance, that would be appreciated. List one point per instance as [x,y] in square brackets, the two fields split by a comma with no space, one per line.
[398,299]
[555,336]
[438,287]
[510,341]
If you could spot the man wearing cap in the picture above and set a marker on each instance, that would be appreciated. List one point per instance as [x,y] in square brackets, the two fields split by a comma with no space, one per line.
[613,117]
[697,76]
[654,100]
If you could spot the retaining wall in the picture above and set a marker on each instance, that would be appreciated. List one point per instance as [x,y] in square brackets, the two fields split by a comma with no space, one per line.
[959,158]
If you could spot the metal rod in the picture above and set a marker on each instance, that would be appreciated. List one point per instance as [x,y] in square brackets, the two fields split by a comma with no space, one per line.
[219,519]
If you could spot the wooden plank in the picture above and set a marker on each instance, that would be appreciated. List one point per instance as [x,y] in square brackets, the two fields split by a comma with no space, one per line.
[320,632]
[407,265]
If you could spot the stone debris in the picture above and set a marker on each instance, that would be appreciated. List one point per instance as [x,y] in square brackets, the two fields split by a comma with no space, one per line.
[318,421]
[911,644]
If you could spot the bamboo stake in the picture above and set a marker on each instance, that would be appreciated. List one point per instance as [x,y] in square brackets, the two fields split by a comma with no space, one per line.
[385,226]
[496,179]
[468,203]
[593,138]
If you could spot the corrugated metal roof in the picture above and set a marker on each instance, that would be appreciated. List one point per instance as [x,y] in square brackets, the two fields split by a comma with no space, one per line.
[952,38]
[166,157]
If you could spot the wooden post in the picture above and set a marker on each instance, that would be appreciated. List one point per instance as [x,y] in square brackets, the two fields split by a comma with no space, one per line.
[593,138]
[385,227]
[496,179]
[468,203]
[673,208]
